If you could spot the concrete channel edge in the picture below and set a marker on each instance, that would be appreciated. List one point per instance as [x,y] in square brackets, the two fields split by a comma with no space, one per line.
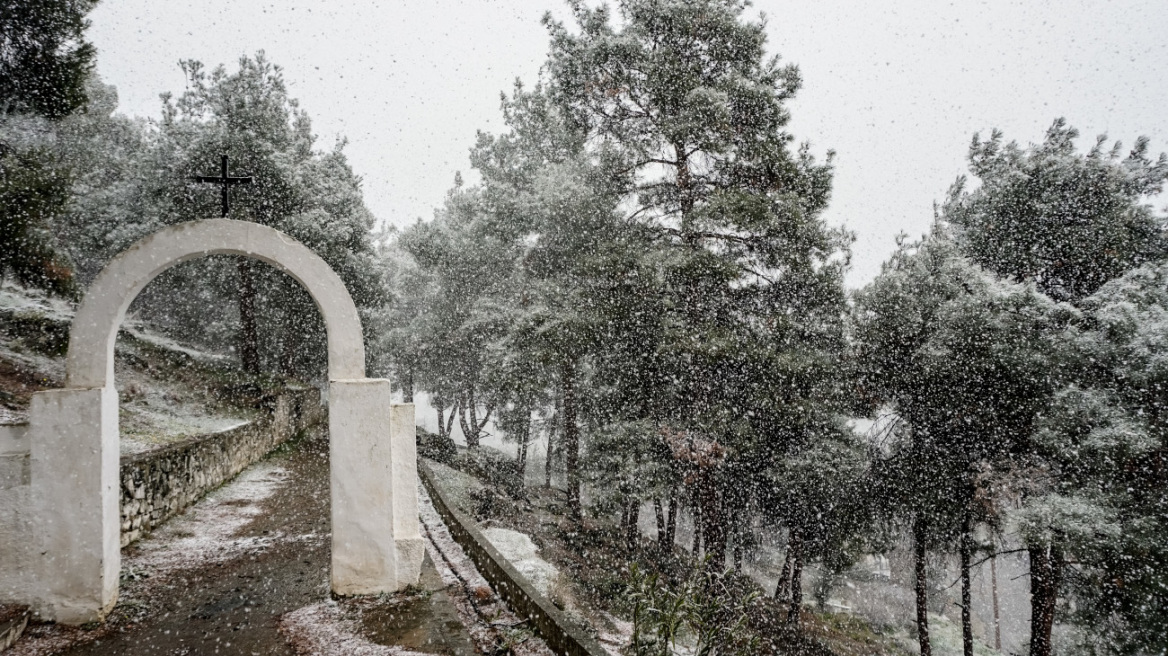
[561,633]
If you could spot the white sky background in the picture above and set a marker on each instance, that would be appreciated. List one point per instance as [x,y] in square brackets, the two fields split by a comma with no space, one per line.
[896,87]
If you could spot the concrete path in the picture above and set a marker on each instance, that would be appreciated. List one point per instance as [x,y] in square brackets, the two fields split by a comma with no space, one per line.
[245,571]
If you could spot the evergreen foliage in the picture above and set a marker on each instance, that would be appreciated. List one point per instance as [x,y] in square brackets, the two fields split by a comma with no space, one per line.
[45,65]
[1104,501]
[33,192]
[966,361]
[45,60]
[1070,222]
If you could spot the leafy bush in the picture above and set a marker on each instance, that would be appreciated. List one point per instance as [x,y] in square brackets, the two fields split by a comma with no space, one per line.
[435,447]
[492,467]
[702,610]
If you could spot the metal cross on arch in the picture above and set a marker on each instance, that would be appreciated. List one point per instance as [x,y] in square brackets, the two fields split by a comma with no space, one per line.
[224,181]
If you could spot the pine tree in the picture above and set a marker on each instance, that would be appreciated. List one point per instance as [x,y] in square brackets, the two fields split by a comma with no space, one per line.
[313,196]
[1069,222]
[1099,508]
[45,64]
[578,268]
[470,273]
[34,190]
[965,361]
[686,115]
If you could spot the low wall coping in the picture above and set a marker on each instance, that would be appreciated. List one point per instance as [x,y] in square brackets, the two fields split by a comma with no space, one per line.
[186,443]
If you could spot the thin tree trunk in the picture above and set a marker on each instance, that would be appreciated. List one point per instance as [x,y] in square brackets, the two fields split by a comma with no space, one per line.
[547,467]
[921,587]
[472,436]
[450,421]
[469,433]
[994,591]
[483,424]
[524,438]
[796,606]
[556,418]
[697,529]
[659,512]
[684,192]
[713,523]
[249,343]
[966,550]
[1045,575]
[571,445]
[633,527]
[783,587]
[671,522]
[408,386]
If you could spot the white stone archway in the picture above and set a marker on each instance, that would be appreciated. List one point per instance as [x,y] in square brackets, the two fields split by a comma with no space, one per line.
[376,545]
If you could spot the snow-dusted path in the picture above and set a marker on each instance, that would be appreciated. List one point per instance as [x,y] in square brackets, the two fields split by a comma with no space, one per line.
[216,579]
[245,571]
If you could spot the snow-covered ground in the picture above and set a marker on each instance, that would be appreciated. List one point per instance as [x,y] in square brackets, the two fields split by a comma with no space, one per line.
[157,408]
[323,630]
[206,533]
[523,555]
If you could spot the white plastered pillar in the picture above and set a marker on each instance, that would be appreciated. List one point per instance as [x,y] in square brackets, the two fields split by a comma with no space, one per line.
[73,437]
[376,544]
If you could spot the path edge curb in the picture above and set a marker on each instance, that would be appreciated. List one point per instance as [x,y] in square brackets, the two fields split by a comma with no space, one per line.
[560,632]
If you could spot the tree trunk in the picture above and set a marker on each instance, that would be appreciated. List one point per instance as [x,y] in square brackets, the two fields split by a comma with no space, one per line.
[1046,563]
[408,386]
[249,342]
[994,592]
[472,436]
[547,468]
[524,438]
[713,523]
[796,549]
[783,587]
[446,425]
[571,444]
[659,513]
[684,192]
[671,522]
[921,587]
[466,406]
[697,529]
[633,527]
[443,431]
[481,425]
[966,550]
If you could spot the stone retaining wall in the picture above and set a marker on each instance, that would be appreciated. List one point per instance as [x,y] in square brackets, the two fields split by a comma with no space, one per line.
[561,634]
[158,484]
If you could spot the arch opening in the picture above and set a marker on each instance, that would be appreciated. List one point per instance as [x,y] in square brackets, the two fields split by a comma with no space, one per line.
[89,363]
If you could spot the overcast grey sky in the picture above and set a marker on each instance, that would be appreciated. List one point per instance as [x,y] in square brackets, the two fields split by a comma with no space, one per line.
[896,87]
